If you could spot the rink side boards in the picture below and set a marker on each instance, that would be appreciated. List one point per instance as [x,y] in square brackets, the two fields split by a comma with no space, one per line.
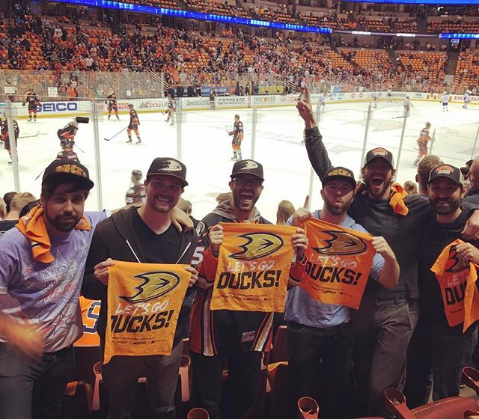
[66,109]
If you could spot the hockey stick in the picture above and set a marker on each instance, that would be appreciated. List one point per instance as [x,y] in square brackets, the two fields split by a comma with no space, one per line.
[79,148]
[38,176]
[111,138]
[32,135]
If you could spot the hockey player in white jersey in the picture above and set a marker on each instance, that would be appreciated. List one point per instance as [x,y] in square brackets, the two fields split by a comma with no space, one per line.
[389,94]
[445,102]
[321,105]
[467,99]
[407,106]
[375,97]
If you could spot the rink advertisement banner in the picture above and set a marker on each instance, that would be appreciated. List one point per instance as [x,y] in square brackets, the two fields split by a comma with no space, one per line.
[144,302]
[253,267]
[457,280]
[196,102]
[232,102]
[338,263]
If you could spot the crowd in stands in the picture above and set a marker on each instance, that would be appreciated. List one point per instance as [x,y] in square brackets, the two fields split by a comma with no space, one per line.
[453,24]
[387,24]
[81,42]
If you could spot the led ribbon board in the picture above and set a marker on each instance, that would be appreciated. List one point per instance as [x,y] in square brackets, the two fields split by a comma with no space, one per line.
[195,15]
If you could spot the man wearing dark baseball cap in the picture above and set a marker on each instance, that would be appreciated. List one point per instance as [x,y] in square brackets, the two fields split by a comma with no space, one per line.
[379,153]
[64,170]
[168,167]
[444,347]
[319,331]
[383,210]
[144,235]
[41,270]
[239,337]
[340,174]
[446,172]
[247,167]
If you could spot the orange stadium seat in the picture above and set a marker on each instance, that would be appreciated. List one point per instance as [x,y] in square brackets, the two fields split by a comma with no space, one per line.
[448,408]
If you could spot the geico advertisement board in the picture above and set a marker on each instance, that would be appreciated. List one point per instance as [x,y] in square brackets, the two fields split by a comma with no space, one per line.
[53,108]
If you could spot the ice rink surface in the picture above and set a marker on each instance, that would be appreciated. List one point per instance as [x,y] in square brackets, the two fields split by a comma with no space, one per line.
[203,144]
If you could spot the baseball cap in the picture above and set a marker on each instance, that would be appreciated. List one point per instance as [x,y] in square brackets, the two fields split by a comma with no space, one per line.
[379,152]
[69,170]
[465,169]
[247,167]
[340,173]
[170,167]
[446,171]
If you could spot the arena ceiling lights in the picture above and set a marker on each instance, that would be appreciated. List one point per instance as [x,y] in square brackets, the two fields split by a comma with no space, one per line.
[195,15]
[266,24]
[418,2]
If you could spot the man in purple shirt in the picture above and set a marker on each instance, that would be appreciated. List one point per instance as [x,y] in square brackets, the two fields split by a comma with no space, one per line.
[41,270]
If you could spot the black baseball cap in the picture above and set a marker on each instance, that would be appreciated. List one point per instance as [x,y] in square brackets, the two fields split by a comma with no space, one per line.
[446,171]
[247,167]
[340,173]
[69,170]
[170,167]
[465,169]
[379,152]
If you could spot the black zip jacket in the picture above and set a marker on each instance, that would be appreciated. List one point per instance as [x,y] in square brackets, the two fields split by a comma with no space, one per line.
[115,238]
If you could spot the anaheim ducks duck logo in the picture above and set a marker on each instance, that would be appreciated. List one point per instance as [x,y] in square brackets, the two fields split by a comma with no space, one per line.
[455,262]
[341,243]
[155,284]
[170,165]
[248,164]
[258,245]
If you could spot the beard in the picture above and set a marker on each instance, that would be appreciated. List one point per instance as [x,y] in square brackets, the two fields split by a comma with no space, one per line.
[337,209]
[445,207]
[63,222]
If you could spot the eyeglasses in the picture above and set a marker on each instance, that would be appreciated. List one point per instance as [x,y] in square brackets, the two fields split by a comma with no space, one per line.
[243,182]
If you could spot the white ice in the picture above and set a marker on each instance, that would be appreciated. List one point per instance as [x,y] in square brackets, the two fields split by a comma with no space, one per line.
[205,148]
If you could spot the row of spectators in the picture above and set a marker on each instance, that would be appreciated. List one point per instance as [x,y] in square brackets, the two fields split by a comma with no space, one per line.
[189,56]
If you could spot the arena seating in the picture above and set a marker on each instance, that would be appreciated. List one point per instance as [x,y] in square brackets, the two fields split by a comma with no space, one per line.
[216,7]
[422,65]
[451,24]
[467,71]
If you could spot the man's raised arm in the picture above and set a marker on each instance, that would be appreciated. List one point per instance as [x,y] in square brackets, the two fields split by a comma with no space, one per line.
[317,153]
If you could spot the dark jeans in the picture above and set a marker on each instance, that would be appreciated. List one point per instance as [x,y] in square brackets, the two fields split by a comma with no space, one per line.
[437,354]
[320,366]
[240,389]
[33,389]
[382,330]
[121,379]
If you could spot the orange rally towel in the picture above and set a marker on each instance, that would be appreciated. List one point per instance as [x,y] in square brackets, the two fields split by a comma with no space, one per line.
[35,230]
[457,280]
[396,199]
[253,267]
[144,302]
[338,263]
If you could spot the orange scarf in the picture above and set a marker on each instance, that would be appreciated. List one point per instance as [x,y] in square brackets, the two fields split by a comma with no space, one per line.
[457,280]
[253,267]
[35,230]
[396,199]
